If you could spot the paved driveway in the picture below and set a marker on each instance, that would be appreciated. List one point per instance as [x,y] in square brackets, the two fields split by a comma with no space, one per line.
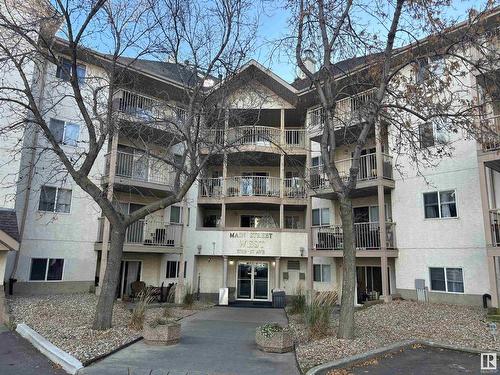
[19,357]
[216,341]
[423,361]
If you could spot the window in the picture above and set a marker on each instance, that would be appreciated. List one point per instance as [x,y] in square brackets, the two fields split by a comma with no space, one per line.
[315,161]
[211,221]
[320,216]
[322,273]
[447,279]
[175,214]
[43,269]
[64,132]
[65,67]
[292,222]
[293,265]
[432,134]
[426,135]
[173,269]
[440,204]
[54,199]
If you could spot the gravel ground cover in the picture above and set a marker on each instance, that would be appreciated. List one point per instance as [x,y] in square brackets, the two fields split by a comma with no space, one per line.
[66,321]
[387,323]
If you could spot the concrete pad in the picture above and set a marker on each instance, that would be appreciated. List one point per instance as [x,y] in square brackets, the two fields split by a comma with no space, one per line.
[217,341]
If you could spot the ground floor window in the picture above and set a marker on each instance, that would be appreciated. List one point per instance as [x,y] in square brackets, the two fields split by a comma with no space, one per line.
[46,269]
[173,269]
[322,273]
[446,279]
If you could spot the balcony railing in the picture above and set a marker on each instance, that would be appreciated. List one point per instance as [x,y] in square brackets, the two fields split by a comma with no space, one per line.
[265,136]
[252,186]
[141,167]
[150,231]
[146,108]
[495,227]
[366,236]
[367,170]
[346,111]
[490,139]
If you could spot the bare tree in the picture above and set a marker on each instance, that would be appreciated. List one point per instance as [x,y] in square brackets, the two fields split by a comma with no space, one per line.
[205,45]
[413,79]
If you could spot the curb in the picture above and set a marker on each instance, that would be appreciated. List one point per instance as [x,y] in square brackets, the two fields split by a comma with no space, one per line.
[69,363]
[323,368]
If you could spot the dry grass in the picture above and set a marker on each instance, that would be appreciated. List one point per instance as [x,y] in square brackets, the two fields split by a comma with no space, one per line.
[139,312]
[317,315]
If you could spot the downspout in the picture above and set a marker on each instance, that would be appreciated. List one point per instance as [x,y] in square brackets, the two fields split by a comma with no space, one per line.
[31,169]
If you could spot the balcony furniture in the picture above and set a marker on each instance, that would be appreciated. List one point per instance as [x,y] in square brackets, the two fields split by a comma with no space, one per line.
[136,288]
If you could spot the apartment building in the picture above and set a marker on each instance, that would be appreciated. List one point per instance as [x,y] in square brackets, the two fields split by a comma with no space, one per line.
[261,215]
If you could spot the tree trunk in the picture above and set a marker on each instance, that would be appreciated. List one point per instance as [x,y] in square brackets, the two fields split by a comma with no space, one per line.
[346,322]
[104,310]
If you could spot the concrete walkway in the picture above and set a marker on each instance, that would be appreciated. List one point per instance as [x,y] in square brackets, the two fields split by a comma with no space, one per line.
[217,341]
[19,357]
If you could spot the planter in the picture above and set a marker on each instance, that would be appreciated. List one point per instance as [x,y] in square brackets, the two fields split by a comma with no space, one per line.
[273,338]
[162,333]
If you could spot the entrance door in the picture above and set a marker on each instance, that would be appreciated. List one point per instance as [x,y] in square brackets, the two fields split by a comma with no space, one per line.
[253,281]
[369,280]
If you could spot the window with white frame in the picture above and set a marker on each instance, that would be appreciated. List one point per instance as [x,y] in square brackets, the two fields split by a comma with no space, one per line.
[46,269]
[173,269]
[66,67]
[322,273]
[447,279]
[54,199]
[315,161]
[64,132]
[320,216]
[432,134]
[429,67]
[440,204]
[175,214]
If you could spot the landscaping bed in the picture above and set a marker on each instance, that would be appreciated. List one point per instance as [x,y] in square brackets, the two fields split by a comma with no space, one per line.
[383,324]
[66,321]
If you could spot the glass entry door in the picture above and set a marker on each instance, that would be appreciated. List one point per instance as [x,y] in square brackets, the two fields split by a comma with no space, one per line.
[253,281]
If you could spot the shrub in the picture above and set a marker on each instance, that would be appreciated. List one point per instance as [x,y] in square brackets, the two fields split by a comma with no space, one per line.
[298,302]
[269,329]
[139,312]
[188,299]
[318,313]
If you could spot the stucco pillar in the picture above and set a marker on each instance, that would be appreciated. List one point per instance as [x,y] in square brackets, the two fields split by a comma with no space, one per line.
[277,273]
[113,155]
[180,288]
[493,280]
[485,202]
[224,272]
[309,278]
[381,213]
[224,192]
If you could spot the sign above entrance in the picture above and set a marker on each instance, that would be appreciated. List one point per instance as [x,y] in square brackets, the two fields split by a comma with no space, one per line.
[252,243]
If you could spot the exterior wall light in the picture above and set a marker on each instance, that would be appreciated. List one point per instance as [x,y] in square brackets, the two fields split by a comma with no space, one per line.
[199,249]
[231,262]
[301,251]
[274,264]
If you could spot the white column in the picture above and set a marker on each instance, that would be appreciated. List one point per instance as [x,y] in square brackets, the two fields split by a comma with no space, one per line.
[277,273]
[224,272]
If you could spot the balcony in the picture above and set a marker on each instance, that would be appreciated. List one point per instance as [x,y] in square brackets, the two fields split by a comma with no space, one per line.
[260,137]
[150,234]
[367,172]
[367,236]
[491,140]
[252,186]
[347,112]
[154,113]
[141,170]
